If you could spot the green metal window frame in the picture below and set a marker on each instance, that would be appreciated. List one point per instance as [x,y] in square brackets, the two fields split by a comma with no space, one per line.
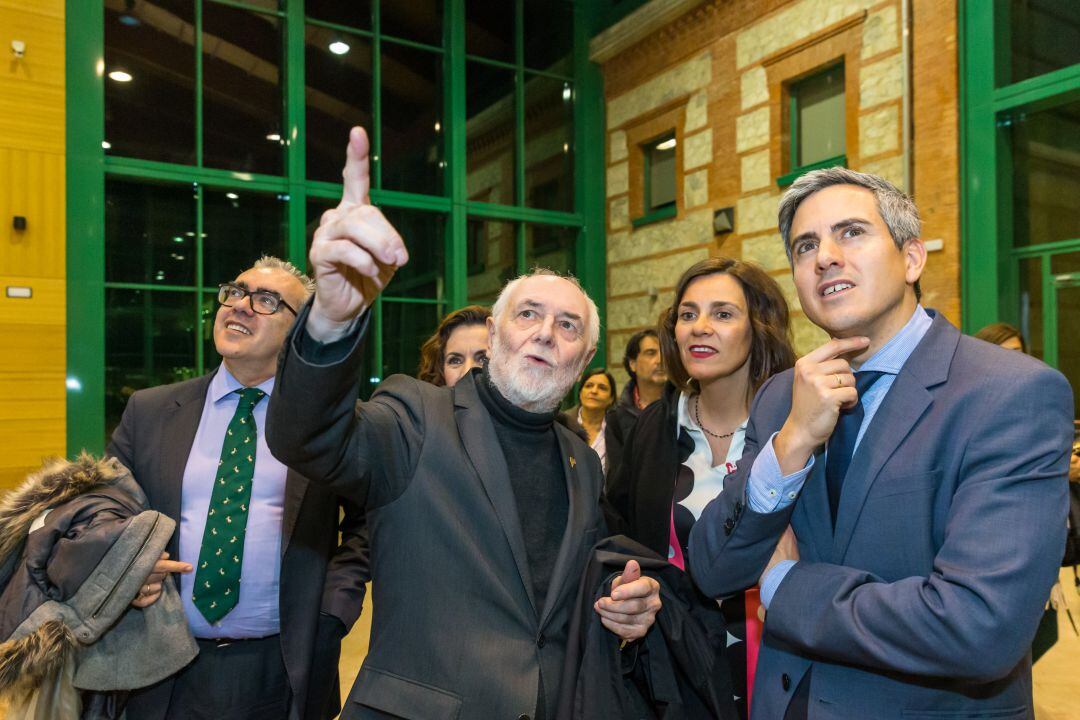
[796,170]
[989,282]
[663,212]
[88,168]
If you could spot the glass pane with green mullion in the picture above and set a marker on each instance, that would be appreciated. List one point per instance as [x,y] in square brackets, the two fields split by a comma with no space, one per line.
[419,20]
[348,16]
[1044,180]
[150,76]
[1034,37]
[424,275]
[239,228]
[1065,274]
[136,168]
[339,92]
[491,133]
[411,104]
[660,173]
[491,257]
[489,30]
[149,341]
[820,129]
[150,233]
[551,247]
[549,143]
[548,36]
[406,327]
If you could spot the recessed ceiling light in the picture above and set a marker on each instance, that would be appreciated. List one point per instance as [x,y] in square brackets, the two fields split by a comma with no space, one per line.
[566,92]
[120,76]
[339,48]
[232,196]
[129,20]
[273,137]
[666,145]
[106,145]
[438,126]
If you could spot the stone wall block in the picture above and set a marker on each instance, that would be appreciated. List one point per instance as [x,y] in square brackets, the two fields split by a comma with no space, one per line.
[756,213]
[755,171]
[752,130]
[881,81]
[879,32]
[697,149]
[754,87]
[618,179]
[696,188]
[681,80]
[619,213]
[879,131]
[767,251]
[697,111]
[694,228]
[617,146]
[653,273]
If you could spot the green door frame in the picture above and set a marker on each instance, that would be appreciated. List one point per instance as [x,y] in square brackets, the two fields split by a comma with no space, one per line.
[989,264]
[88,168]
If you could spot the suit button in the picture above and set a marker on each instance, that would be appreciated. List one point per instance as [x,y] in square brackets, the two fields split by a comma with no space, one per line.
[541,640]
[729,525]
[785,682]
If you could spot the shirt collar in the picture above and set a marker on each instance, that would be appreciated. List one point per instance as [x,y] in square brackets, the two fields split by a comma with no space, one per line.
[223,384]
[890,358]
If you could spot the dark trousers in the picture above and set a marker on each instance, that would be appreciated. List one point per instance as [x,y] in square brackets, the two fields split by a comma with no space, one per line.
[242,680]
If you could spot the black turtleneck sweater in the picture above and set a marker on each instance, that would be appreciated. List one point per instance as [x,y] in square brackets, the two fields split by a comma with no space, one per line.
[532,456]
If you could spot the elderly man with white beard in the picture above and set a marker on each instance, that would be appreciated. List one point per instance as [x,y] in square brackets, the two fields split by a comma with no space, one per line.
[481,509]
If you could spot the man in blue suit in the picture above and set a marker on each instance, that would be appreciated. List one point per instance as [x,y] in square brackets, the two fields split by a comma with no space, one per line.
[922,472]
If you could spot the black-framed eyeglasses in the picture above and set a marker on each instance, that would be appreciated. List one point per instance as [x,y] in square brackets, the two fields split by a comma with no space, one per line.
[263,302]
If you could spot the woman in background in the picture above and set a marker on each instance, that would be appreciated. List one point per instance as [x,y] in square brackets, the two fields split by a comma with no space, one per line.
[459,344]
[1003,334]
[725,334]
[596,395]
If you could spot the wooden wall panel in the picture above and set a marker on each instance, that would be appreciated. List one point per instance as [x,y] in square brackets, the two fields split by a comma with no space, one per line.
[32,166]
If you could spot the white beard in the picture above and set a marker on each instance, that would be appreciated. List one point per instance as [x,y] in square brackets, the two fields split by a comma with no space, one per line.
[535,389]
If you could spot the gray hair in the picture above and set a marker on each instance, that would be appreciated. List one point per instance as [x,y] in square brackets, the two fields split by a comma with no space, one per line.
[269,262]
[592,329]
[896,208]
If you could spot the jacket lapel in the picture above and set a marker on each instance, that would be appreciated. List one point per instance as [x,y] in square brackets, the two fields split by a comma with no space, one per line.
[295,487]
[179,422]
[576,518]
[906,402]
[482,446]
[811,521]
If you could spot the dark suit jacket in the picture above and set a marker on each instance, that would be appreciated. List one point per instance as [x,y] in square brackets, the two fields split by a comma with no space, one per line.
[924,601]
[456,631]
[154,439]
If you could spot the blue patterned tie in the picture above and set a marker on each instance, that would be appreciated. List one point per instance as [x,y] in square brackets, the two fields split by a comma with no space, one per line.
[842,443]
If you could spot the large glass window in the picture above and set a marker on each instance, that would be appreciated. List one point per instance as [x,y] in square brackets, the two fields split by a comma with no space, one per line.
[1045,174]
[1039,36]
[817,118]
[225,126]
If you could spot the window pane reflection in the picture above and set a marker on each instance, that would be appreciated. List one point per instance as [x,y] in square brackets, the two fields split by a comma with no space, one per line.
[149,340]
[1043,36]
[820,100]
[551,247]
[339,91]
[1066,271]
[417,20]
[405,328]
[489,29]
[491,258]
[240,227]
[549,143]
[150,109]
[149,233]
[489,154]
[1046,175]
[423,233]
[242,103]
[549,35]
[412,120]
[355,13]
[1031,305]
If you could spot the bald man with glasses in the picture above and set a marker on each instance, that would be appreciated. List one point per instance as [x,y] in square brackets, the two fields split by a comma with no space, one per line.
[268,588]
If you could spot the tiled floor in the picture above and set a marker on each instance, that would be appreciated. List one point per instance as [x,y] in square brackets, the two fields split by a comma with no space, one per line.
[1056,676]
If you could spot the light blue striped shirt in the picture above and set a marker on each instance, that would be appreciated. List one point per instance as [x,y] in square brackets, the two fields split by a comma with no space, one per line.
[767,490]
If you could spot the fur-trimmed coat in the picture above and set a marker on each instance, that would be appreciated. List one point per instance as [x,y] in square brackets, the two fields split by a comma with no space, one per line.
[76,544]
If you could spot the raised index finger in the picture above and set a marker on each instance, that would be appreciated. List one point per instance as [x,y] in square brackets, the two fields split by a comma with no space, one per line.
[356,177]
[836,347]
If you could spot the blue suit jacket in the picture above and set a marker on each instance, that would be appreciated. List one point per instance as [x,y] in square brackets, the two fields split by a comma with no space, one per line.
[924,601]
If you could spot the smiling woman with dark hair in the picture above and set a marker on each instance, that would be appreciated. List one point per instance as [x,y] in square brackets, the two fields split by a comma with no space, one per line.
[724,335]
[459,344]
[596,395]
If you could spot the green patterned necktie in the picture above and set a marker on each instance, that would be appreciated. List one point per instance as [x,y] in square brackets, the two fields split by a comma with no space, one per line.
[217,581]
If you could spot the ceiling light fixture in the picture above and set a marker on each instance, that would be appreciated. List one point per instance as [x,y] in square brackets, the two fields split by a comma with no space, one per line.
[120,76]
[339,48]
[666,145]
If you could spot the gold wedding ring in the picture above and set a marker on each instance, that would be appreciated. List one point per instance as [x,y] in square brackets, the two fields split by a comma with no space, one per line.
[839,381]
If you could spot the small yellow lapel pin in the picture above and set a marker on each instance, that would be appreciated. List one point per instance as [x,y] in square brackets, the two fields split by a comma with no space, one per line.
[573,462]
